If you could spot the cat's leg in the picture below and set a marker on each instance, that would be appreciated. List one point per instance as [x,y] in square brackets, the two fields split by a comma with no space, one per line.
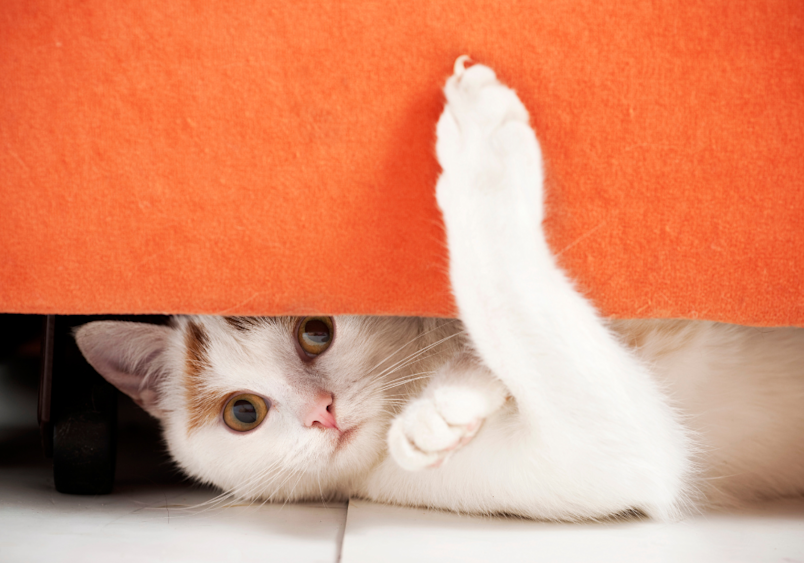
[603,436]
[458,399]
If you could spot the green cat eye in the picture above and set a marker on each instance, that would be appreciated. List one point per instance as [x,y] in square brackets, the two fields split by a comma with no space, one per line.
[314,335]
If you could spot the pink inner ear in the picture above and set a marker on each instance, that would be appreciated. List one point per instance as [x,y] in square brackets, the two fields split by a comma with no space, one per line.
[128,355]
[130,384]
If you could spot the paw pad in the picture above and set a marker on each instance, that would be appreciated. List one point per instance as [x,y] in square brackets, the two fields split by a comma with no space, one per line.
[433,428]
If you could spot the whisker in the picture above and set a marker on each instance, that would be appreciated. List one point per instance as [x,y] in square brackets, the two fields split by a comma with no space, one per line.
[218,501]
[290,494]
[419,352]
[278,487]
[320,490]
[404,382]
[422,335]
[414,356]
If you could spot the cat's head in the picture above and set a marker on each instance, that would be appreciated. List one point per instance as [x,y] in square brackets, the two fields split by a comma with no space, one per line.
[271,408]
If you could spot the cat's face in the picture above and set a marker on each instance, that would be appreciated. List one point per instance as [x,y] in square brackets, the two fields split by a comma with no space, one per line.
[270,408]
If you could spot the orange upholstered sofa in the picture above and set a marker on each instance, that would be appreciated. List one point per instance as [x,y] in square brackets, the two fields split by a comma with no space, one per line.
[277,157]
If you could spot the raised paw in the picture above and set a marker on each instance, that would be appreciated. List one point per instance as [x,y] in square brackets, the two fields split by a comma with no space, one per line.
[484,142]
[432,428]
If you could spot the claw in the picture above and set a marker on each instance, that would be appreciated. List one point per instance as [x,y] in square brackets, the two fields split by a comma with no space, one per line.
[460,67]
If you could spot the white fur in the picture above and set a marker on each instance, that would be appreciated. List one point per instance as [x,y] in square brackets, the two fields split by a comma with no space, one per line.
[452,409]
[530,405]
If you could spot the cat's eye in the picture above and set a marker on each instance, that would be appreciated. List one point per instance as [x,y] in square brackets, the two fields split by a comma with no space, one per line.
[244,411]
[314,335]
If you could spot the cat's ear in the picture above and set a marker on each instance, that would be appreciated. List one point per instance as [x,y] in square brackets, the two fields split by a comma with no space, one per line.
[130,356]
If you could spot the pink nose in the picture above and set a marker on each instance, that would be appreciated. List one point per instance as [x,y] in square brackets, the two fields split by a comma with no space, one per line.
[319,412]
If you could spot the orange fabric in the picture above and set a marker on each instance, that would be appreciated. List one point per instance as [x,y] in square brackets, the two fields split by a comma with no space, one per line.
[277,157]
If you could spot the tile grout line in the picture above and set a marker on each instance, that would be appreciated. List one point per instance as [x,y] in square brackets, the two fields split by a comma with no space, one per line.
[339,553]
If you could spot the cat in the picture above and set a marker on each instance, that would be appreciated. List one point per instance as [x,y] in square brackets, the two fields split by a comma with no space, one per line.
[530,404]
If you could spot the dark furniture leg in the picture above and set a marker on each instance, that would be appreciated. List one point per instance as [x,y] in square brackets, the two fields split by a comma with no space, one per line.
[77,413]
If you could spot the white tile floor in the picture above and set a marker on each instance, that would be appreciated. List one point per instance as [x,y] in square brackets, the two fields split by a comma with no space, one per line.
[150,522]
[146,519]
[773,532]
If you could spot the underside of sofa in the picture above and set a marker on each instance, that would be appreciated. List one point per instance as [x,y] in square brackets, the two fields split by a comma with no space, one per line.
[175,157]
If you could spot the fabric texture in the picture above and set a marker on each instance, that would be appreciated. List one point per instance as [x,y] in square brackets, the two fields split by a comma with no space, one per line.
[278,157]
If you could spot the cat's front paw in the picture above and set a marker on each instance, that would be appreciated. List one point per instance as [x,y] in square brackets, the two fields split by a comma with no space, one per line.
[485,145]
[432,428]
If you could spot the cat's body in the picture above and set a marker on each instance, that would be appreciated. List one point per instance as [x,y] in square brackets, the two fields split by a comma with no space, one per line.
[530,404]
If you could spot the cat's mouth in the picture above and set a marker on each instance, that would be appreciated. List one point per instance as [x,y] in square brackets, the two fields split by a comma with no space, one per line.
[345,437]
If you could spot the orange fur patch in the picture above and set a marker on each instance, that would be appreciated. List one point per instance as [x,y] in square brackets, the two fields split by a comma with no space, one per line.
[203,405]
[674,333]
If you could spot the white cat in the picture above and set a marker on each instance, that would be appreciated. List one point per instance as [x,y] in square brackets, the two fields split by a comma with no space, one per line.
[531,404]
